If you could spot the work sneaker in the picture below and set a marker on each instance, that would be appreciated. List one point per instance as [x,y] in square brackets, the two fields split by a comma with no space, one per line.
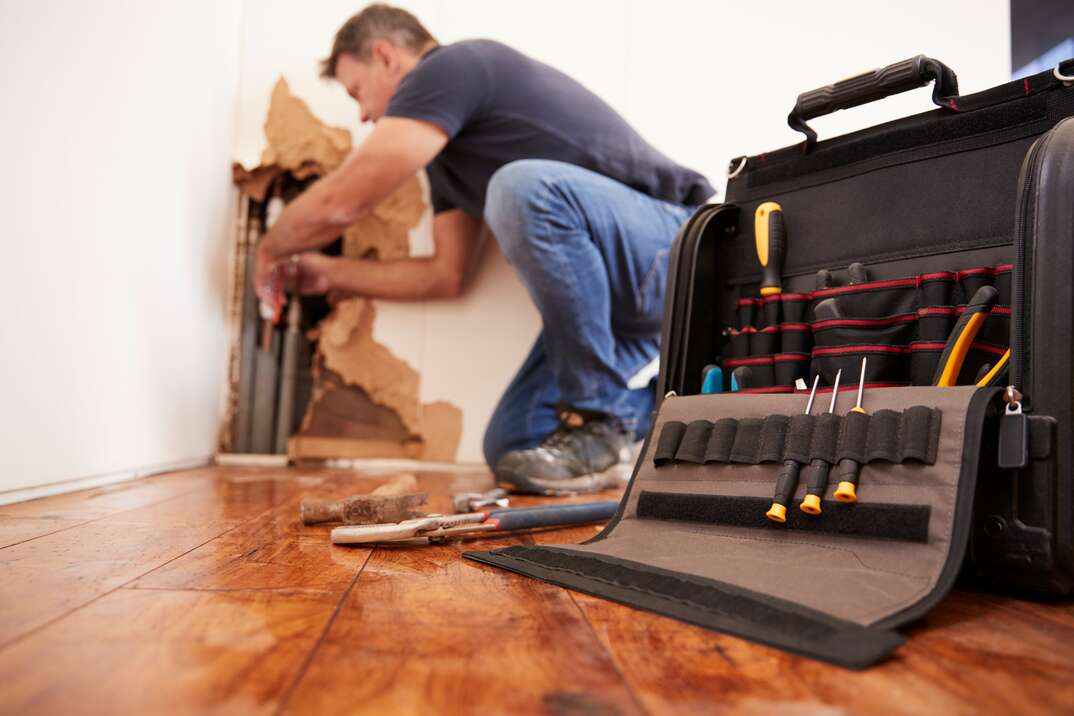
[586,453]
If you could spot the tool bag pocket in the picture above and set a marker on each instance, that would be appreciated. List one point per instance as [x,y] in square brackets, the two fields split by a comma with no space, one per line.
[900,325]
[693,538]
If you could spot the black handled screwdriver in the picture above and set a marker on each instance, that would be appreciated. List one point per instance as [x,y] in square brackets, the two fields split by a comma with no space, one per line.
[770,236]
[817,480]
[850,469]
[787,482]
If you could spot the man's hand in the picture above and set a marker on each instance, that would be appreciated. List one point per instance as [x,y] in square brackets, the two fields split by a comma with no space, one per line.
[267,279]
[393,152]
[314,273]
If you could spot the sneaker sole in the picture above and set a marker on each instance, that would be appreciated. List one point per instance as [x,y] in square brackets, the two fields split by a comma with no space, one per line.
[618,475]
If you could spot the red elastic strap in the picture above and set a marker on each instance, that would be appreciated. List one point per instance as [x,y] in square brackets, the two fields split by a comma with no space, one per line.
[843,350]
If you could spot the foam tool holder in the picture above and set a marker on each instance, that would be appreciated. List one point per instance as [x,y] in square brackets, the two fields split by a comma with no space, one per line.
[691,539]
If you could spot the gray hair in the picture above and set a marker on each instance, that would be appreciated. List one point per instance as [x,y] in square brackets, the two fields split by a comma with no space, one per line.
[376,22]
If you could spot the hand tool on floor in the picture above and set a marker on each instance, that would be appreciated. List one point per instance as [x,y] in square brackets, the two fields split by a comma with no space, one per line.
[962,335]
[849,469]
[787,482]
[474,501]
[711,379]
[437,528]
[395,500]
[770,237]
[817,478]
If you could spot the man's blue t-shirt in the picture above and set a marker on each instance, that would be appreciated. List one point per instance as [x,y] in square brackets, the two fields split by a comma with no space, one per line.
[498,106]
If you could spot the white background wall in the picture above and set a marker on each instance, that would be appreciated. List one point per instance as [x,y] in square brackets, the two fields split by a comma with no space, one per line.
[115,202]
[120,118]
[703,81]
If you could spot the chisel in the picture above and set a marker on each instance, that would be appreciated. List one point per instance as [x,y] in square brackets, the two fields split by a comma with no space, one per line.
[770,236]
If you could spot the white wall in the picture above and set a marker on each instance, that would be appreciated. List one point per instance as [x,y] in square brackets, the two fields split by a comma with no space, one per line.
[115,205]
[703,81]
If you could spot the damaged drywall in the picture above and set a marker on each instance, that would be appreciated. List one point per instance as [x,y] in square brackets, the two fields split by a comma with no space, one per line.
[384,233]
[298,143]
[365,399]
[347,347]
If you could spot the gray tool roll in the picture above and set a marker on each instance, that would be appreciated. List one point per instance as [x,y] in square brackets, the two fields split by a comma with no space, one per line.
[691,539]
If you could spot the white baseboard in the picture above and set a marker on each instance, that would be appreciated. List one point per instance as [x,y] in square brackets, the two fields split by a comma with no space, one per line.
[85,483]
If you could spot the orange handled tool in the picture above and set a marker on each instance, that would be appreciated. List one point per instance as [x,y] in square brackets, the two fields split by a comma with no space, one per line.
[958,343]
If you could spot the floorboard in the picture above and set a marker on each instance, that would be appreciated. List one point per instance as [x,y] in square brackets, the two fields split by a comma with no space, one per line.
[201,591]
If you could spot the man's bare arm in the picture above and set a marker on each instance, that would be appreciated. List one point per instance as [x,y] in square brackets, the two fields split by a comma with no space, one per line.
[396,149]
[443,275]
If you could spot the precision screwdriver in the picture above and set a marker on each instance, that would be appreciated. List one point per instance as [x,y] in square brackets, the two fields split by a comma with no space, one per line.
[787,482]
[849,468]
[817,481]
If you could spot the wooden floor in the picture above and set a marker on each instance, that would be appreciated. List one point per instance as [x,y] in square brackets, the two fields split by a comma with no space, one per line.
[201,592]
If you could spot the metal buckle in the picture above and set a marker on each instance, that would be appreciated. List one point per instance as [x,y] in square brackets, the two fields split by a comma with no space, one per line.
[732,173]
[1065,79]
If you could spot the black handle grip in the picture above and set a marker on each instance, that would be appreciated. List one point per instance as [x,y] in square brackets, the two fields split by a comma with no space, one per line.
[523,518]
[786,483]
[873,85]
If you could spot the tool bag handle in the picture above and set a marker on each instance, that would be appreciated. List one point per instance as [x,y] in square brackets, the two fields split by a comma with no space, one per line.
[873,85]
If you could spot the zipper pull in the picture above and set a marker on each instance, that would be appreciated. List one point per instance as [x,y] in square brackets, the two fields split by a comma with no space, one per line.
[1013,433]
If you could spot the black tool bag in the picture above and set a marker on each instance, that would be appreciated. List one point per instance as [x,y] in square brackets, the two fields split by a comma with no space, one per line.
[965,479]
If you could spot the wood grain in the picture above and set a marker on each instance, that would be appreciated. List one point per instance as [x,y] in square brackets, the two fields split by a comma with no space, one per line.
[19,529]
[425,632]
[207,594]
[166,652]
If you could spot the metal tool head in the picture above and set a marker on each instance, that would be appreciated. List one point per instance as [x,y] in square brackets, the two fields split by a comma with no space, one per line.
[835,390]
[861,380]
[472,501]
[812,394]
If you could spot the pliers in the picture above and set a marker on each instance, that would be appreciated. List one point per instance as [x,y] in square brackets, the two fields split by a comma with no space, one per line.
[437,528]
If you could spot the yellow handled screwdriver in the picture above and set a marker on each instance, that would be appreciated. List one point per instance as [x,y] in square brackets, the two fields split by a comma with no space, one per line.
[787,482]
[849,468]
[817,481]
[770,235]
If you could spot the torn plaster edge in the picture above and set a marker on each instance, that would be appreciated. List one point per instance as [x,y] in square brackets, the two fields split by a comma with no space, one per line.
[24,494]
[236,293]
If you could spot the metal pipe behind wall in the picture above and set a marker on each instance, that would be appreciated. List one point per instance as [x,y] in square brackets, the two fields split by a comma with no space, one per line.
[288,375]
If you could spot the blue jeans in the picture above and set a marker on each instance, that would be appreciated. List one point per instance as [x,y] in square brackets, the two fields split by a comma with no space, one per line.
[593,254]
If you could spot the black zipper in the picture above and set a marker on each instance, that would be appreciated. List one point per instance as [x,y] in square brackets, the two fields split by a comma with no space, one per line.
[1023,213]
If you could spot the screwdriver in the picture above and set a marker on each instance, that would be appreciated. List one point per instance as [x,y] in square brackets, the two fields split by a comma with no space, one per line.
[787,482]
[817,482]
[770,236]
[849,468]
